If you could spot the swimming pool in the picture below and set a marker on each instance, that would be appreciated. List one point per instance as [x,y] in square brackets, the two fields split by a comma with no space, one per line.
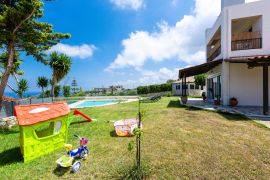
[94,103]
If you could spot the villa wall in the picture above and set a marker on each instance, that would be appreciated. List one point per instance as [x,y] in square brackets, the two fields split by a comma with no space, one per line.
[246,85]
[259,8]
[248,10]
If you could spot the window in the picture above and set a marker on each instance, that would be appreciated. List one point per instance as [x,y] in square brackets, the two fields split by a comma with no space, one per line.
[185,86]
[178,87]
[192,86]
[45,130]
[197,87]
[57,127]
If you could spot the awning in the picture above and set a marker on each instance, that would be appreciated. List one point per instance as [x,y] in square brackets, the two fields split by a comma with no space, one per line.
[199,69]
[251,61]
[248,59]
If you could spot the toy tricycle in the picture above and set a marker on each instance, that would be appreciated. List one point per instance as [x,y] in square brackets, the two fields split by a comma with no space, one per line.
[68,159]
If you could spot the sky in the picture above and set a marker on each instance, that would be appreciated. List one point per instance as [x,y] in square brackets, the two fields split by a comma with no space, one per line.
[126,42]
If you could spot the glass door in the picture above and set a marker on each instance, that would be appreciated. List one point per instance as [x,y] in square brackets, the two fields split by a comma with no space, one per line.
[214,88]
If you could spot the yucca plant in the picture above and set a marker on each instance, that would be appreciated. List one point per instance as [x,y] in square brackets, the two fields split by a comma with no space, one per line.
[22,87]
[60,65]
[42,82]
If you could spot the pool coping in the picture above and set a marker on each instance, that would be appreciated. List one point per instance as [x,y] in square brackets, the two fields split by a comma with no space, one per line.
[73,105]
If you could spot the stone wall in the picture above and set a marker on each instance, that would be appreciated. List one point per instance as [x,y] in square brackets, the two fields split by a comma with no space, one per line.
[8,122]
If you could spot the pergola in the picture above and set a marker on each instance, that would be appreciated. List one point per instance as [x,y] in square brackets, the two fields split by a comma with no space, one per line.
[195,70]
[251,61]
[257,61]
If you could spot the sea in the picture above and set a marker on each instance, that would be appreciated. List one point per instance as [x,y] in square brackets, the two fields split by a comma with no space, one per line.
[25,95]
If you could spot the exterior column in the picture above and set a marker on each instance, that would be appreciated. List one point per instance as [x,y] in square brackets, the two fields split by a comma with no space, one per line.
[225,83]
[185,82]
[265,89]
[182,86]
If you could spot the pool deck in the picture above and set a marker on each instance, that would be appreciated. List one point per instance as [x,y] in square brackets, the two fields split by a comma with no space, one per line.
[252,112]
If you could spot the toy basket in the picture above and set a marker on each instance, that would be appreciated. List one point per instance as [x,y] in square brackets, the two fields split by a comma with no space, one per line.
[124,128]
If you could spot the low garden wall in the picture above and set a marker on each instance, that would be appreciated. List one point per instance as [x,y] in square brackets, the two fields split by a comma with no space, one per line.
[8,122]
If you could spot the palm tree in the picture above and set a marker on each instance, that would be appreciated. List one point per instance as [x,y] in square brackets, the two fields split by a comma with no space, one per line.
[60,64]
[22,87]
[42,82]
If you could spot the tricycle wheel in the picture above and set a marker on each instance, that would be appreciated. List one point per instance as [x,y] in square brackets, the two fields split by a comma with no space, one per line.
[76,166]
[84,153]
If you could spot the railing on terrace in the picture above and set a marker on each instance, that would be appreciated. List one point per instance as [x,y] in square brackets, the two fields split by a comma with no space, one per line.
[215,54]
[246,44]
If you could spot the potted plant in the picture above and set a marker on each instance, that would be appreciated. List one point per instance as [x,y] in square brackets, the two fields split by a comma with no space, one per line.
[217,101]
[233,102]
[184,99]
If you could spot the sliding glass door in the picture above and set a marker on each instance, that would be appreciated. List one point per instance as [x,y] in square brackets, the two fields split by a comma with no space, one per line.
[214,88]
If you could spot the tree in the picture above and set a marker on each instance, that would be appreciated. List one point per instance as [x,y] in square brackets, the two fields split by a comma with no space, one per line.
[47,93]
[22,87]
[57,90]
[80,93]
[42,82]
[200,80]
[20,31]
[170,81]
[66,91]
[60,65]
[74,86]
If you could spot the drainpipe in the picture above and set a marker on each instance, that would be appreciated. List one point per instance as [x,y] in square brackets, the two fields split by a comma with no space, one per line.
[265,90]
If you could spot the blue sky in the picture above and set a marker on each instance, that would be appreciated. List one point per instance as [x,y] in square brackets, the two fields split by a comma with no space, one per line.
[129,42]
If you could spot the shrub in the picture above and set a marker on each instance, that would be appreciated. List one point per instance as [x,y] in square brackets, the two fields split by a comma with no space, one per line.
[154,88]
[66,91]
[57,90]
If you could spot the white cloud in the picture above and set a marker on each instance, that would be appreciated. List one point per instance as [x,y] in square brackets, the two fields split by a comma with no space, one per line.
[84,51]
[128,4]
[174,2]
[151,77]
[184,41]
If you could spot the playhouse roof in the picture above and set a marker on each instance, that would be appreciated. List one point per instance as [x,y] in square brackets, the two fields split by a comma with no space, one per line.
[32,114]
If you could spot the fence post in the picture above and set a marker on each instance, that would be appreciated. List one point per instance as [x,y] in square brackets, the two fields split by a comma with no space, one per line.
[12,108]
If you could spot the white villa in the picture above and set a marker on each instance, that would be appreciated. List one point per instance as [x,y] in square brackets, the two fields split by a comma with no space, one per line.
[238,54]
[191,88]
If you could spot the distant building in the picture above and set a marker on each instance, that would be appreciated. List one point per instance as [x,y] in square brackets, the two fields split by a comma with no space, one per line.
[111,89]
[190,86]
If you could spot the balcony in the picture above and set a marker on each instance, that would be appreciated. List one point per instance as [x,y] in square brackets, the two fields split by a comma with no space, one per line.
[246,40]
[214,54]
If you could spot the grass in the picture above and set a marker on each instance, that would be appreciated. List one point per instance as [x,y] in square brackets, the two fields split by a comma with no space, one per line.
[178,141]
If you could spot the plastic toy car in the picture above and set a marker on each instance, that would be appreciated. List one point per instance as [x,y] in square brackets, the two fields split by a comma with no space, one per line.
[68,160]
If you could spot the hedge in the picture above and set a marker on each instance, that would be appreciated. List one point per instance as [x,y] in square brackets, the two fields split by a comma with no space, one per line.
[154,88]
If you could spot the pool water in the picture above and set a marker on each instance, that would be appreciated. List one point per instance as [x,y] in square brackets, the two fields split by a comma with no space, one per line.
[93,103]
[71,102]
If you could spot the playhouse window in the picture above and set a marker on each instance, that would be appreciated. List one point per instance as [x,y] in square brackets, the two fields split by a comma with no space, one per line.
[45,130]
[57,127]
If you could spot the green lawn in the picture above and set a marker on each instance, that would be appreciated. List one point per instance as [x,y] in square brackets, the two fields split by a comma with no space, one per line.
[177,142]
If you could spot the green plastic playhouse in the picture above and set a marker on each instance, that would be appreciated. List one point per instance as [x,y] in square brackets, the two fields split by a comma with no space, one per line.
[43,128]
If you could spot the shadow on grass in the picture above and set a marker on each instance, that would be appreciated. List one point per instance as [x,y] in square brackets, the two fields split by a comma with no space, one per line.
[174,104]
[60,171]
[8,131]
[79,122]
[10,156]
[113,134]
[233,117]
